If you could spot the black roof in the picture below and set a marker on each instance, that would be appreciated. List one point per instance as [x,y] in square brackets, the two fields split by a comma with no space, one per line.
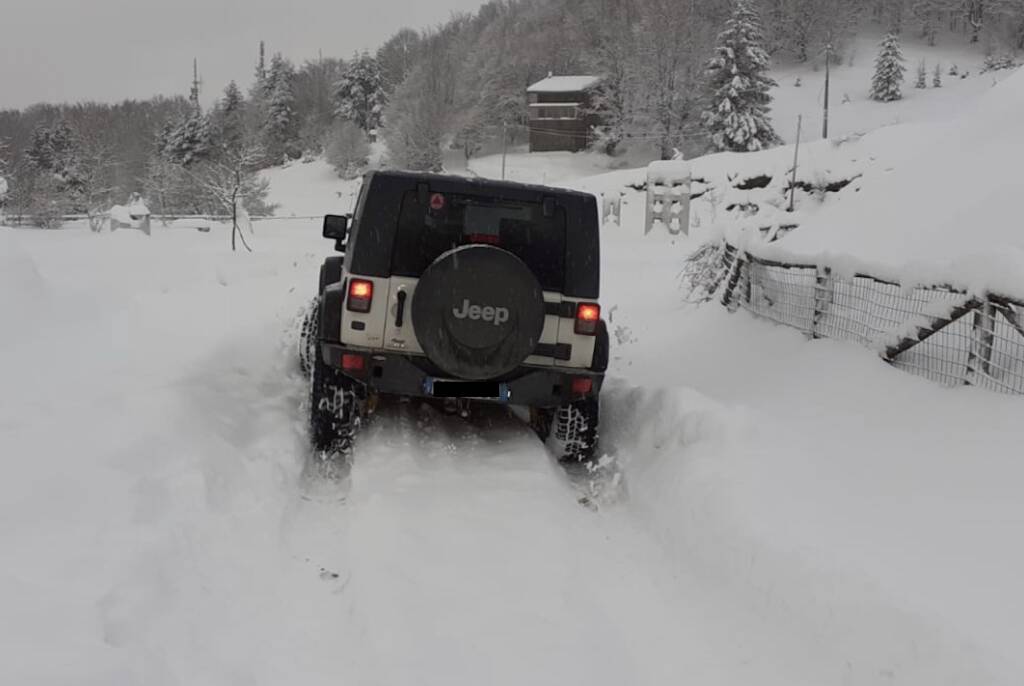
[478,183]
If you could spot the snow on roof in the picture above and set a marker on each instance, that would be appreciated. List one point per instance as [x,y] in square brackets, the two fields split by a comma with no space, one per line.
[949,211]
[564,84]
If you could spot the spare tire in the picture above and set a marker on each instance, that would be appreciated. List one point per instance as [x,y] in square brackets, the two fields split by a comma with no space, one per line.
[478,312]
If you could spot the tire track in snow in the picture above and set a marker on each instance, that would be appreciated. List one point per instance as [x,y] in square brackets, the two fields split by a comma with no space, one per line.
[467,560]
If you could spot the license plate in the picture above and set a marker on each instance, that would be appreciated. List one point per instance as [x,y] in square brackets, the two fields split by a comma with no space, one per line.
[491,390]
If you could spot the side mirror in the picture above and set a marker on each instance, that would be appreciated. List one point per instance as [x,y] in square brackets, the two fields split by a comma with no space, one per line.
[336,227]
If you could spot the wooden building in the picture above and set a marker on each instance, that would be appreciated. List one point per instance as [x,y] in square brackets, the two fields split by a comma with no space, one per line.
[558,113]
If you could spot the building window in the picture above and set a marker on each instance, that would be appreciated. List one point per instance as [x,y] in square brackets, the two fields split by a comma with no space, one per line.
[554,112]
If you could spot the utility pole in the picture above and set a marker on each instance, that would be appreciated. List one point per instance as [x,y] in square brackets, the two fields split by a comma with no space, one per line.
[796,159]
[828,79]
[504,147]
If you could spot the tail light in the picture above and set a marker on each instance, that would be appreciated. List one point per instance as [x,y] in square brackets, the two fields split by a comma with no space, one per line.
[582,385]
[360,295]
[353,363]
[588,315]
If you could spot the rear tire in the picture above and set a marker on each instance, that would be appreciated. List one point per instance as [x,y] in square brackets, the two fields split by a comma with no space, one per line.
[307,336]
[336,405]
[570,432]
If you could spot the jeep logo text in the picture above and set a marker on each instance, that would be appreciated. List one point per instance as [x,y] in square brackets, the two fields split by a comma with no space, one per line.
[497,315]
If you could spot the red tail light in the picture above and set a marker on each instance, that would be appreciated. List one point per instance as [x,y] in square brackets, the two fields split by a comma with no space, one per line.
[360,295]
[353,363]
[582,385]
[588,315]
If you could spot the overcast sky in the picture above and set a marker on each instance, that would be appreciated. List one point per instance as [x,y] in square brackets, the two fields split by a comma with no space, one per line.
[109,50]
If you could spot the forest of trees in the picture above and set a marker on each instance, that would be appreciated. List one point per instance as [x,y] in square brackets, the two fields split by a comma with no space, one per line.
[455,87]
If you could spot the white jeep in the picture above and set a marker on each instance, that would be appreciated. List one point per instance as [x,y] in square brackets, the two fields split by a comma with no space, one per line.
[465,290]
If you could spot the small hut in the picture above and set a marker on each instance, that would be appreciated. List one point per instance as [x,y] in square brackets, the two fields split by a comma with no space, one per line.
[559,113]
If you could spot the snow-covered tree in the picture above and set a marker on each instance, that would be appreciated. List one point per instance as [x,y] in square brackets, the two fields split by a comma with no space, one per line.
[417,121]
[667,71]
[804,27]
[188,141]
[281,126]
[937,77]
[167,186]
[347,149]
[929,13]
[738,86]
[229,117]
[360,92]
[233,184]
[93,191]
[314,101]
[922,75]
[887,83]
[397,57]
[55,150]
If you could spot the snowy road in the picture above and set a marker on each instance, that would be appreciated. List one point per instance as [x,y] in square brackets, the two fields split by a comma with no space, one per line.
[159,530]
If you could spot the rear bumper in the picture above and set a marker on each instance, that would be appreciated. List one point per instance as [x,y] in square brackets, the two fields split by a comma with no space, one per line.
[396,374]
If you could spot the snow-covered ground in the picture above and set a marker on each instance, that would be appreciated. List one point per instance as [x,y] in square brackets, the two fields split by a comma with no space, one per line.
[794,512]
[853,112]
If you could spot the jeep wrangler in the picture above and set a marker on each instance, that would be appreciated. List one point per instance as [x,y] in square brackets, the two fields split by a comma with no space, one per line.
[465,290]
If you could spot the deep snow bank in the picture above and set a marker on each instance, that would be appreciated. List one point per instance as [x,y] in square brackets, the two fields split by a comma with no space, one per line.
[949,212]
[863,508]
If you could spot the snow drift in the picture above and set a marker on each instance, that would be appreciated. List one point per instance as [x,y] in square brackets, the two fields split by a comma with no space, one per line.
[948,213]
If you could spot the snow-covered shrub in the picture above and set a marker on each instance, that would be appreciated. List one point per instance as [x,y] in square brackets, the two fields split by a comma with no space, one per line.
[704,272]
[347,149]
[999,63]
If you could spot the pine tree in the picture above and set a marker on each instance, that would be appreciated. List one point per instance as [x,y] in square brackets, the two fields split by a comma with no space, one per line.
[190,139]
[360,93]
[887,83]
[56,152]
[738,85]
[922,75]
[187,142]
[281,123]
[230,116]
[937,77]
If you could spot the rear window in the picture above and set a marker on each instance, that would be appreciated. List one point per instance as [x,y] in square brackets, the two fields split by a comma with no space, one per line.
[450,220]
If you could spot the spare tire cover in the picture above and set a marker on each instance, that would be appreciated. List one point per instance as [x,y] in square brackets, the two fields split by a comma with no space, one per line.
[478,312]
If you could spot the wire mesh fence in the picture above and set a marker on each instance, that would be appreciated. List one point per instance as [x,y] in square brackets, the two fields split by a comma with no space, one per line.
[938,332]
